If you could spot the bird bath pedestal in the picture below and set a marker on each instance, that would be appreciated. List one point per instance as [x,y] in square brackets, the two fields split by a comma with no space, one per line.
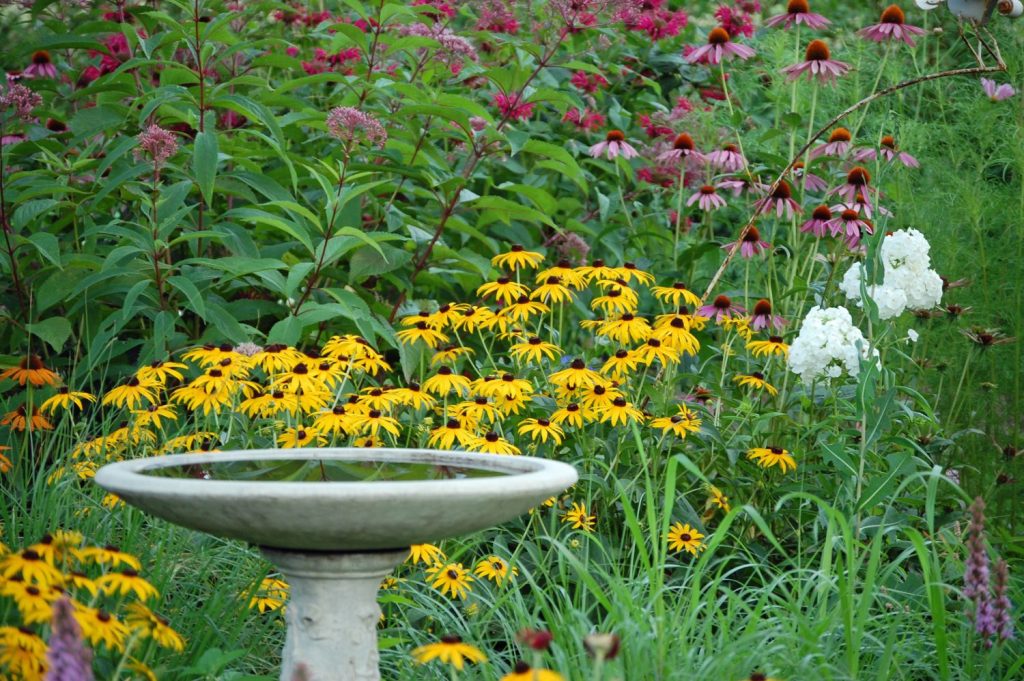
[335,522]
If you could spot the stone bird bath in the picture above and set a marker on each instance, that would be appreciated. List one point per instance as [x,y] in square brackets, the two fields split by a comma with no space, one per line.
[336,522]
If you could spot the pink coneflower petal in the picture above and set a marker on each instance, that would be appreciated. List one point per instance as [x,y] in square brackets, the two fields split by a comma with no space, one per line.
[891,26]
[719,47]
[798,12]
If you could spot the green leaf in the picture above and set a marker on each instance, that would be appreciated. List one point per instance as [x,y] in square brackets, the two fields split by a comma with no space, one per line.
[287,331]
[47,245]
[365,261]
[185,286]
[55,331]
[204,163]
[88,122]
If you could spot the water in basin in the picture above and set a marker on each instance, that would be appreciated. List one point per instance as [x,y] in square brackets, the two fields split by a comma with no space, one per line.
[318,470]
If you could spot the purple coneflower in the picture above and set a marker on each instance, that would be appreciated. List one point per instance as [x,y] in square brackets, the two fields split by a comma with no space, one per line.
[798,12]
[614,144]
[838,144]
[818,225]
[41,66]
[997,93]
[682,148]
[763,317]
[750,245]
[849,225]
[349,125]
[857,180]
[720,308]
[737,185]
[889,151]
[810,181]
[707,198]
[728,159]
[863,206]
[719,47]
[891,27]
[818,63]
[781,201]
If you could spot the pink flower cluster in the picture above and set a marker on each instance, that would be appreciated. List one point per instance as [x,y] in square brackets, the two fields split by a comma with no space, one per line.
[454,50]
[349,125]
[323,62]
[158,144]
[512,107]
[584,119]
[588,82]
[657,21]
[496,16]
[21,99]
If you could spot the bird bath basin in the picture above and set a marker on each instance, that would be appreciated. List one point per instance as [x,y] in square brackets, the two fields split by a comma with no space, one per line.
[336,522]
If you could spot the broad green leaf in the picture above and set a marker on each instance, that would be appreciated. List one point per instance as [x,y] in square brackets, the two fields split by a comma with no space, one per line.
[204,163]
[185,286]
[55,331]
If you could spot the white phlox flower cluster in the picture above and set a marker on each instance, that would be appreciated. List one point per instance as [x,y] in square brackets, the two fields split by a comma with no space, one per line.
[828,342]
[908,281]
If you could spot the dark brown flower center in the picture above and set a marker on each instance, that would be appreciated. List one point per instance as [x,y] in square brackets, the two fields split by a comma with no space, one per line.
[718,36]
[840,135]
[544,423]
[798,7]
[889,142]
[858,177]
[453,424]
[752,235]
[817,50]
[774,339]
[722,302]
[683,142]
[685,537]
[578,364]
[41,57]
[850,215]
[517,248]
[708,189]
[782,191]
[615,136]
[763,307]
[893,15]
[776,450]
[822,213]
[619,402]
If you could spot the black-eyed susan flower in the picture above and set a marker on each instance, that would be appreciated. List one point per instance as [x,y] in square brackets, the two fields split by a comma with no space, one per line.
[492,443]
[31,369]
[755,380]
[300,436]
[676,334]
[160,372]
[625,328]
[20,421]
[125,582]
[278,358]
[149,624]
[422,332]
[336,422]
[413,396]
[495,569]
[428,554]
[578,518]
[541,429]
[655,350]
[79,580]
[154,416]
[504,290]
[446,381]
[574,415]
[300,379]
[453,431]
[524,308]
[599,397]
[517,258]
[447,315]
[64,399]
[450,579]
[617,299]
[597,270]
[374,421]
[576,374]
[621,365]
[378,397]
[110,555]
[773,346]
[676,295]
[524,672]
[22,653]
[450,354]
[271,595]
[552,291]
[535,350]
[717,499]
[34,601]
[187,443]
[766,457]
[449,650]
[132,394]
[99,626]
[5,466]
[30,567]
[630,272]
[472,318]
[621,411]
[738,325]
[685,538]
[681,424]
[566,274]
[420,317]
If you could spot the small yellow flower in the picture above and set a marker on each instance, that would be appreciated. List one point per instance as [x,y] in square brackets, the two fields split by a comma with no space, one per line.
[541,429]
[64,398]
[518,258]
[449,650]
[685,538]
[504,290]
[523,672]
[428,554]
[766,457]
[621,411]
[451,579]
[773,346]
[132,394]
[271,595]
[99,626]
[681,424]
[492,443]
[675,295]
[31,369]
[534,350]
[496,569]
[127,582]
[578,517]
[755,380]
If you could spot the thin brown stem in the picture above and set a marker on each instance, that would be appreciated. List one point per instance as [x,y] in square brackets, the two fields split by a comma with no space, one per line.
[314,277]
[974,70]
[5,227]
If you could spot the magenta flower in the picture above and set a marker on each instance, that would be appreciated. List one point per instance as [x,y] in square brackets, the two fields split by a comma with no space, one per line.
[891,27]
[997,94]
[719,47]
[858,180]
[728,159]
[798,12]
[349,125]
[721,308]
[838,144]
[750,245]
[818,225]
[818,63]
[862,206]
[738,185]
[682,148]
[811,182]
[614,144]
[780,201]
[41,66]
[763,317]
[707,198]
[512,108]
[849,226]
[889,151]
